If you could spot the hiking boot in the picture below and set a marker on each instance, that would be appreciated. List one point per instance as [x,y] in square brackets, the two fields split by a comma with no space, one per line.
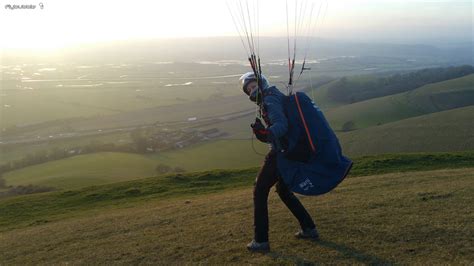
[307,234]
[258,246]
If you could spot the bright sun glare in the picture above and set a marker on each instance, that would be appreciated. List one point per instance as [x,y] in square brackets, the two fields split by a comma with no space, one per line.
[62,23]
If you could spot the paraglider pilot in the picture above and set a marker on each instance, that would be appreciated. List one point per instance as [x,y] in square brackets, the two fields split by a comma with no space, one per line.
[277,126]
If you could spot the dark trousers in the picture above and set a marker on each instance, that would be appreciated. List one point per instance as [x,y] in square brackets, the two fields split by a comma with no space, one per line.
[266,178]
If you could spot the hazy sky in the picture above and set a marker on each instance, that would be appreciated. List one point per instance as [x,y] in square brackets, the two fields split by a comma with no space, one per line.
[67,22]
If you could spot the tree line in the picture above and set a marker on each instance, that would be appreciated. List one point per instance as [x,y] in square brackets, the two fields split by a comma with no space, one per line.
[360,88]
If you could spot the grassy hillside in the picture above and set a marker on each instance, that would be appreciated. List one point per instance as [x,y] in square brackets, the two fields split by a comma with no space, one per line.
[424,100]
[321,97]
[403,218]
[17,152]
[352,89]
[450,130]
[84,170]
[223,154]
[359,88]
[107,167]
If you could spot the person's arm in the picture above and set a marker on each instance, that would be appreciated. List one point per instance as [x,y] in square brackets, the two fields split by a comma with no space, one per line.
[278,121]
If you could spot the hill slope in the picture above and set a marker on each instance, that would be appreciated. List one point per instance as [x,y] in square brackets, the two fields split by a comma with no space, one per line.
[431,98]
[451,130]
[84,170]
[353,89]
[109,167]
[421,217]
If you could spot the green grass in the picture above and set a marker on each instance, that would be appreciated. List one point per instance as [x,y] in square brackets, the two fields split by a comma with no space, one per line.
[84,170]
[223,154]
[321,97]
[399,218]
[450,130]
[25,210]
[430,98]
[21,211]
[406,162]
[107,167]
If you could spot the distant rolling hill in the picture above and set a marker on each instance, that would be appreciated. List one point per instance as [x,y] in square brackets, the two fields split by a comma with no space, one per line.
[352,89]
[108,167]
[84,170]
[451,130]
[430,98]
[112,167]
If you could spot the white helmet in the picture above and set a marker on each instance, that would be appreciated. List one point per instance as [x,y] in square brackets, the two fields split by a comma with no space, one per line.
[248,77]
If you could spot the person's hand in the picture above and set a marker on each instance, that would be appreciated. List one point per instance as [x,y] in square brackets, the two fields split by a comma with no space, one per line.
[260,131]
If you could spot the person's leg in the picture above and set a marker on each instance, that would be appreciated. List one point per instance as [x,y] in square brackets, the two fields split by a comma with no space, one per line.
[266,178]
[295,206]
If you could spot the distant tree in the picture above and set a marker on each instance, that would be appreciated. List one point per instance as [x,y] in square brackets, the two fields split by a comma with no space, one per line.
[354,89]
[57,153]
[27,189]
[178,169]
[41,156]
[162,169]
[348,126]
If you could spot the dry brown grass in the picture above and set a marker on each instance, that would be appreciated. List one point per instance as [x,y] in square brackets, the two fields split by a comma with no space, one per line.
[422,217]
